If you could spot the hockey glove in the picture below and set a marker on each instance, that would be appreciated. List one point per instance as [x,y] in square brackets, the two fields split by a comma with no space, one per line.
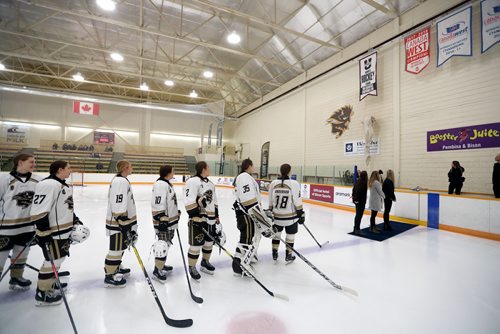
[302,216]
[131,238]
[269,214]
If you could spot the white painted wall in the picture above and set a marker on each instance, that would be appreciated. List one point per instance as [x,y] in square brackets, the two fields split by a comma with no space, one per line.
[133,126]
[464,91]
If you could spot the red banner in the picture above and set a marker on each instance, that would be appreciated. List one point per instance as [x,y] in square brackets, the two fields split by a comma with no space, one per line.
[86,108]
[323,193]
[417,49]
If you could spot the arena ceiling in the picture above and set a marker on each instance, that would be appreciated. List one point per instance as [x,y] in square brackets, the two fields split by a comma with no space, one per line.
[45,43]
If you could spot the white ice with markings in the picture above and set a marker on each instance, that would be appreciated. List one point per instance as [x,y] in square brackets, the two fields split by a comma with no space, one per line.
[421,281]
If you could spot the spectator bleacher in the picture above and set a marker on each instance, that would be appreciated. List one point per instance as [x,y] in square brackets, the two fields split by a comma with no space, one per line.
[150,163]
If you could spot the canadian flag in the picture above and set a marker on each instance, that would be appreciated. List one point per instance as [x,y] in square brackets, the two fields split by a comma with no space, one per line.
[86,108]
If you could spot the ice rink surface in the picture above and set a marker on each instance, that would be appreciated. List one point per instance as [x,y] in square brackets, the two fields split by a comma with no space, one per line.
[421,281]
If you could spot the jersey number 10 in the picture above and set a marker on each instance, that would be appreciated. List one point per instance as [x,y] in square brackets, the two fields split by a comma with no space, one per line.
[283,203]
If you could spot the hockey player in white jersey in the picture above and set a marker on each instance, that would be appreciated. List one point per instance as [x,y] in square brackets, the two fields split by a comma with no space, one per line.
[165,218]
[201,205]
[121,225]
[286,205]
[55,221]
[16,228]
[248,212]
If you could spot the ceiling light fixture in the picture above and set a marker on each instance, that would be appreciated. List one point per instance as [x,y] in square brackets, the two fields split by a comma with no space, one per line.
[2,66]
[144,86]
[116,56]
[208,74]
[169,83]
[106,4]
[78,77]
[233,38]
[193,93]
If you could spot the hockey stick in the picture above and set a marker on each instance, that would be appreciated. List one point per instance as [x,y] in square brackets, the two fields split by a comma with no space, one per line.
[12,263]
[171,322]
[320,245]
[335,285]
[197,299]
[247,272]
[60,287]
[61,273]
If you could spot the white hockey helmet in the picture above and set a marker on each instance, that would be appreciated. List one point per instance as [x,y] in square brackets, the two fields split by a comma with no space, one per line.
[160,248]
[79,234]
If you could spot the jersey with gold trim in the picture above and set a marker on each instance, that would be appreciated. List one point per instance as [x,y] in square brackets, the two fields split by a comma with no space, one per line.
[285,201]
[52,208]
[121,203]
[164,202]
[246,190]
[16,196]
[195,188]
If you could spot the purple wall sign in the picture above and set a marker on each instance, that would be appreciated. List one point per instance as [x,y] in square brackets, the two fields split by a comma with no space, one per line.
[464,138]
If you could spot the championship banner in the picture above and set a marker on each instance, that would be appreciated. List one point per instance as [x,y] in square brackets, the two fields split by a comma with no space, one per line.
[86,108]
[368,76]
[357,147]
[490,24]
[454,36]
[418,54]
[464,138]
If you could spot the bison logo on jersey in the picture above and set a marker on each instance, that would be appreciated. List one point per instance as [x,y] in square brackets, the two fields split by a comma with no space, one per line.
[69,201]
[4,241]
[340,120]
[24,199]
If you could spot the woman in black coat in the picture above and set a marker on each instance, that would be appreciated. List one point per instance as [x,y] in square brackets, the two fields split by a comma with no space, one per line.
[359,199]
[388,189]
[455,178]
[496,177]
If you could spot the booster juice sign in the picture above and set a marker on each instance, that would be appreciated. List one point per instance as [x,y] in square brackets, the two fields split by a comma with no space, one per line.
[464,138]
[322,193]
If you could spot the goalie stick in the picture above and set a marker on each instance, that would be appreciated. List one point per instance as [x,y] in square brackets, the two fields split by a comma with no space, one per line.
[171,322]
[246,271]
[335,285]
[197,299]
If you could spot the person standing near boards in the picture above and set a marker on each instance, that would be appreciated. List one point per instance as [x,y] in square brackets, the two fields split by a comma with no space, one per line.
[359,199]
[455,177]
[390,196]
[376,199]
[496,177]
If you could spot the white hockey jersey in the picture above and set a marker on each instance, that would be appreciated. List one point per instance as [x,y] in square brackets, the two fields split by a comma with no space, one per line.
[196,187]
[285,201]
[121,203]
[16,196]
[246,190]
[164,202]
[52,208]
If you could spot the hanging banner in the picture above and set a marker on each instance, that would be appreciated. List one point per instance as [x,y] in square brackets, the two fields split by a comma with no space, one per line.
[357,147]
[418,54]
[490,24]
[368,76]
[16,134]
[464,138]
[454,36]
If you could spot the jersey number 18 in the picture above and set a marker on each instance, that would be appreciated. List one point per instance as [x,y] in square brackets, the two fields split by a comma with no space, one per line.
[283,203]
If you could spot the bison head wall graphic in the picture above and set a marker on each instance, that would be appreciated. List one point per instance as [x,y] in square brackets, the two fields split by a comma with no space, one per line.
[340,120]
